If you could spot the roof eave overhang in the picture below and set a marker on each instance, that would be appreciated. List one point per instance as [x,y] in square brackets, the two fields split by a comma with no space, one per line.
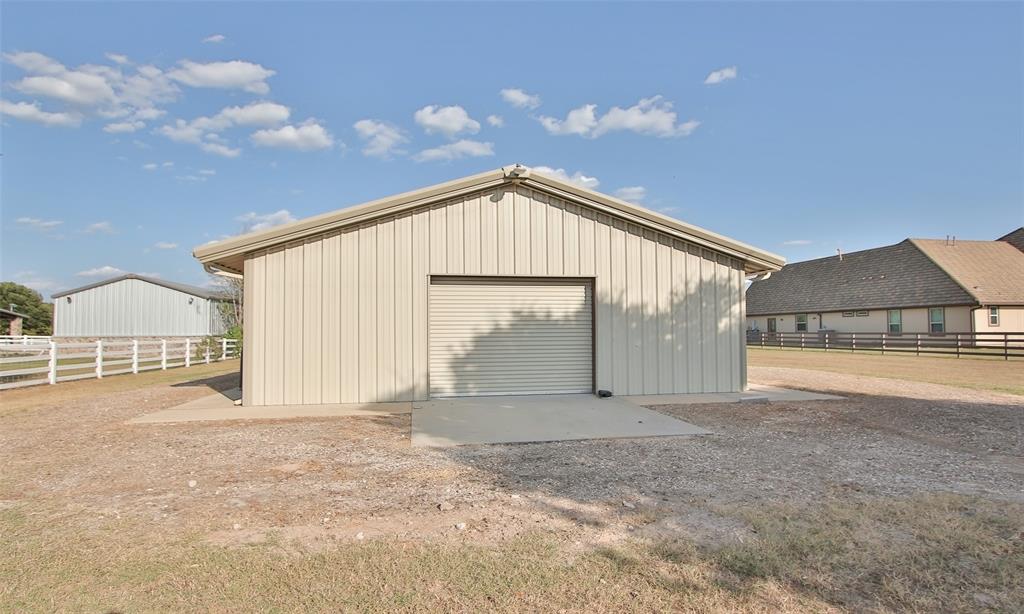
[227,255]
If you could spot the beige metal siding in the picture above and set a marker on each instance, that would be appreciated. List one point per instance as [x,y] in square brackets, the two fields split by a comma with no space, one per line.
[667,313]
[510,336]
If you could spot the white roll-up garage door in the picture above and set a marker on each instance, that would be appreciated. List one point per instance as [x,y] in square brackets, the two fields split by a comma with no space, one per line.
[510,336]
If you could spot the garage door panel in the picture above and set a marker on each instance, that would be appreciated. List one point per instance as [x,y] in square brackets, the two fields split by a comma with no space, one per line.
[510,336]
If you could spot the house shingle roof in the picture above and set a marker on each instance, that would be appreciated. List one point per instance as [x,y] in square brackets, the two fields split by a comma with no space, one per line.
[992,271]
[891,277]
[1014,238]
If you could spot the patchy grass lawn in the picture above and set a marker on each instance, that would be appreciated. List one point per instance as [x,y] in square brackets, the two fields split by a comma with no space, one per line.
[976,373]
[45,395]
[927,553]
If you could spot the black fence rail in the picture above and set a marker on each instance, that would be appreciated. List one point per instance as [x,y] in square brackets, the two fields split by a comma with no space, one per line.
[998,345]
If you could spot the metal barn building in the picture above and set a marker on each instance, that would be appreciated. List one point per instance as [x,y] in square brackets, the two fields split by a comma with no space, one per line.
[137,306]
[506,282]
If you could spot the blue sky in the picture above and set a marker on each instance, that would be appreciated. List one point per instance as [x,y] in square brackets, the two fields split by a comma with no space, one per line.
[133,132]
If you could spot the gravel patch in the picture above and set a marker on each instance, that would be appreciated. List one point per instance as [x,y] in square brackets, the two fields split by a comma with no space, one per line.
[316,482]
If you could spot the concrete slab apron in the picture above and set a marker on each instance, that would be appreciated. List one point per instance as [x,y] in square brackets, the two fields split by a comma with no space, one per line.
[757,392]
[220,407]
[536,418]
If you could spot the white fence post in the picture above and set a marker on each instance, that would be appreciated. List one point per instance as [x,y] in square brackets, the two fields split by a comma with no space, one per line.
[135,355]
[99,358]
[188,352]
[163,354]
[206,352]
[53,362]
[223,348]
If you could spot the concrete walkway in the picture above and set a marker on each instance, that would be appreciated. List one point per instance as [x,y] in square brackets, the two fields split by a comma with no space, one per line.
[757,392]
[536,418]
[221,406]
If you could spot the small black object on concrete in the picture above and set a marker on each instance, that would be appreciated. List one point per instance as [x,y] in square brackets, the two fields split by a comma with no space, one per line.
[604,394]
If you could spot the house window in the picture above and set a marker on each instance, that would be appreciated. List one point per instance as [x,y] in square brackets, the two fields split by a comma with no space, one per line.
[847,314]
[771,325]
[993,316]
[937,320]
[801,322]
[895,321]
[862,314]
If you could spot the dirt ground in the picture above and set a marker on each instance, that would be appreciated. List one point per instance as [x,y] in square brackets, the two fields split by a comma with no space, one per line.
[309,486]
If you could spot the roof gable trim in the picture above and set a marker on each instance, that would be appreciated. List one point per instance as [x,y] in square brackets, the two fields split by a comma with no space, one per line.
[510,176]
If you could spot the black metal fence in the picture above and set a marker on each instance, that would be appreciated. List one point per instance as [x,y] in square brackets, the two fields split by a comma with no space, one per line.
[998,345]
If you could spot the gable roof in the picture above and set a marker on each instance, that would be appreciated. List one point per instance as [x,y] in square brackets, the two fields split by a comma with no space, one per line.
[891,277]
[1014,238]
[187,289]
[228,255]
[991,271]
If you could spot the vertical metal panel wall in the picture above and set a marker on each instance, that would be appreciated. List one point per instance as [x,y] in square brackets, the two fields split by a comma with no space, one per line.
[132,308]
[342,317]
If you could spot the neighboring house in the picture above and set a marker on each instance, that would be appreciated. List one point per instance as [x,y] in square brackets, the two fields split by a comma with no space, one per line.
[12,322]
[916,286]
[137,306]
[1015,238]
[506,282]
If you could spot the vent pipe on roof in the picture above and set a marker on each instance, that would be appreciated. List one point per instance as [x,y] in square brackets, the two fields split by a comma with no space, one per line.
[840,253]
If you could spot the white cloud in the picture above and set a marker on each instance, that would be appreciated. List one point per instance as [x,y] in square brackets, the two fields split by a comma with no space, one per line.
[118,91]
[32,280]
[122,127]
[220,150]
[650,117]
[182,131]
[165,245]
[71,86]
[208,172]
[104,227]
[520,99]
[103,271]
[453,151]
[34,62]
[797,242]
[150,166]
[449,121]
[577,178]
[167,164]
[215,38]
[256,114]
[38,224]
[236,74]
[32,113]
[147,114]
[253,221]
[631,194]
[382,138]
[722,74]
[305,137]
[496,120]
[579,121]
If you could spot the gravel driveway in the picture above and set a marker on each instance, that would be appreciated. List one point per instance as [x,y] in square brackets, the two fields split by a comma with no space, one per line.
[317,481]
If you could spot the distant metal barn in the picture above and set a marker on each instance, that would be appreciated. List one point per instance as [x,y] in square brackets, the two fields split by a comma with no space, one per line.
[506,282]
[137,306]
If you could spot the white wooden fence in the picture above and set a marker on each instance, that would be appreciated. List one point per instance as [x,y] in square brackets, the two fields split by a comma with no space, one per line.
[50,362]
[21,340]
